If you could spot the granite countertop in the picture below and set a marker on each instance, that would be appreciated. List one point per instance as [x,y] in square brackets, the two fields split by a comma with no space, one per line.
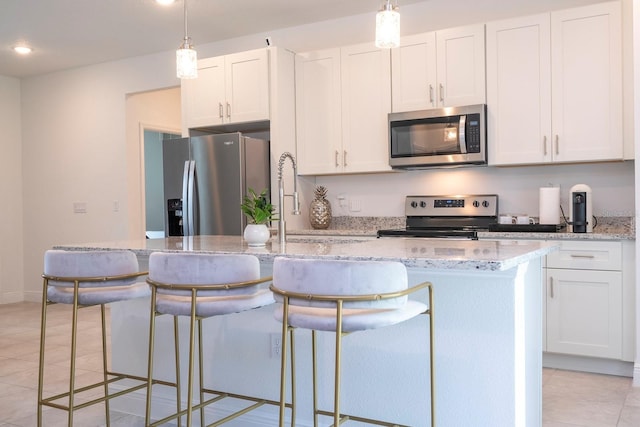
[477,255]
[608,228]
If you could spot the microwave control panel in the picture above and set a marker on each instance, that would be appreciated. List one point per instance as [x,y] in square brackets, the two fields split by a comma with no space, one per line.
[473,133]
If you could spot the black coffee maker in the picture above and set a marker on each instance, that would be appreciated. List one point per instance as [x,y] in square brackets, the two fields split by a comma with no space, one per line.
[580,209]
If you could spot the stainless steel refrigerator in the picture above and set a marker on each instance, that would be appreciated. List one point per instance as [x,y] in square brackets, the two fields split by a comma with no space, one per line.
[206,179]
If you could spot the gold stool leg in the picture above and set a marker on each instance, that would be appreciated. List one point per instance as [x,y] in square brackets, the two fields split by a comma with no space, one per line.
[201,368]
[43,323]
[192,336]
[314,363]
[283,358]
[104,364]
[293,377]
[74,335]
[152,328]
[336,392]
[431,358]
[176,342]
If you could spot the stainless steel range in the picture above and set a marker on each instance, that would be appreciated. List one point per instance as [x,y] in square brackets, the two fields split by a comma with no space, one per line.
[447,216]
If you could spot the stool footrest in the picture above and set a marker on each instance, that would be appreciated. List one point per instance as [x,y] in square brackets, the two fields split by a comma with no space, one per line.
[49,401]
[222,395]
[345,417]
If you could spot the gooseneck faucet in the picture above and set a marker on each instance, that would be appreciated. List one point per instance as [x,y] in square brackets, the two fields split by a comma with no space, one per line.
[282,227]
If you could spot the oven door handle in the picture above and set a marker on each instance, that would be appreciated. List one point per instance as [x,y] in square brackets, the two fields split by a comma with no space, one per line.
[462,137]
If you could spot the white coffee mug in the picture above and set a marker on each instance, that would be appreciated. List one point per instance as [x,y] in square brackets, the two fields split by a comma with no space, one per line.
[506,219]
[524,219]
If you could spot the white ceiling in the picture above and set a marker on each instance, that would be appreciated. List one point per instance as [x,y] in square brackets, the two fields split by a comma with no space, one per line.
[71,33]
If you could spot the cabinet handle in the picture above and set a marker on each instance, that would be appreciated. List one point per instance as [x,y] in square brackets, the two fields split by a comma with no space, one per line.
[582,256]
[431,94]
[220,110]
[441,93]
[228,110]
[551,287]
[557,144]
[337,154]
[544,142]
[344,158]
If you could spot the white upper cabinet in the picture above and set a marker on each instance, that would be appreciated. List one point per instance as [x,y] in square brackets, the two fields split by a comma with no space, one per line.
[461,66]
[366,103]
[519,90]
[413,73]
[343,96]
[229,89]
[586,73]
[439,69]
[554,87]
[318,111]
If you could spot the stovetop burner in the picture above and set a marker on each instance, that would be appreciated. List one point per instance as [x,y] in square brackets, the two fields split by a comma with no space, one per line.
[447,216]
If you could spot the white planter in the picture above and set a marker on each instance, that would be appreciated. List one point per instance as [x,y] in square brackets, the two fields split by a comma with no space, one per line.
[256,234]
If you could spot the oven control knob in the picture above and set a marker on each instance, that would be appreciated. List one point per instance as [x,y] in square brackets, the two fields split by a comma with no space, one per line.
[476,204]
[414,204]
[423,204]
[485,203]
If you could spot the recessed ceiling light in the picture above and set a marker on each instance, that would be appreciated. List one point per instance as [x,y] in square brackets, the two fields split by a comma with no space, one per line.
[165,2]
[22,50]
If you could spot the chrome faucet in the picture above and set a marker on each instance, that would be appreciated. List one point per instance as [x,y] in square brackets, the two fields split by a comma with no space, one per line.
[282,227]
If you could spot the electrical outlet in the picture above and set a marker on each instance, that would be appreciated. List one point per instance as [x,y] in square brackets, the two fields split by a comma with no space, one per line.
[276,346]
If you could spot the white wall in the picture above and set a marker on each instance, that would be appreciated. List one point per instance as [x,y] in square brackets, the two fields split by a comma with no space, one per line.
[11,219]
[517,187]
[77,147]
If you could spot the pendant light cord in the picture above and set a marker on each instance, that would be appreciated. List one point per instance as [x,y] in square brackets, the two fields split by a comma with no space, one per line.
[186,33]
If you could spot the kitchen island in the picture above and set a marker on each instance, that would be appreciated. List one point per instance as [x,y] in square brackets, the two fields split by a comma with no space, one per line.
[487,318]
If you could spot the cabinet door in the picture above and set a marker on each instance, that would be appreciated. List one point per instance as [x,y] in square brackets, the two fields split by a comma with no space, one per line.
[247,86]
[413,73]
[587,83]
[318,112]
[204,96]
[366,103]
[461,66]
[584,312]
[519,90]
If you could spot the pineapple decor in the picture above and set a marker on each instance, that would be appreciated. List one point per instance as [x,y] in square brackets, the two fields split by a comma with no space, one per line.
[320,209]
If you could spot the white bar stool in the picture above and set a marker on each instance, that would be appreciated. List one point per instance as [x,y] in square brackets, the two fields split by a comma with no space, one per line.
[81,279]
[344,297]
[201,286]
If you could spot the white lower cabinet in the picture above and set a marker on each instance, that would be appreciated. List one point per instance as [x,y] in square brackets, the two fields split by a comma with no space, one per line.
[583,312]
[589,294]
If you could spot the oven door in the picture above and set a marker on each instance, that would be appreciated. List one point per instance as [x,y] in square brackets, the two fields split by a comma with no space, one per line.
[430,234]
[449,136]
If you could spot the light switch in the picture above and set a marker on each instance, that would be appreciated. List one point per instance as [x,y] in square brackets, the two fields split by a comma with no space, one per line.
[79,207]
[355,205]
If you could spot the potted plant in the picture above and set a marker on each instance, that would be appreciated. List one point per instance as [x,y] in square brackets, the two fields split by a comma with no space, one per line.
[259,212]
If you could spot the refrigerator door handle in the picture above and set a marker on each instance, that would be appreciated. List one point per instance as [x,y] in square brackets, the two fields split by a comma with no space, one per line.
[191,197]
[185,198]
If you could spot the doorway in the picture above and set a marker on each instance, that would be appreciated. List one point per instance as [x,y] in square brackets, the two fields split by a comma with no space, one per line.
[154,182]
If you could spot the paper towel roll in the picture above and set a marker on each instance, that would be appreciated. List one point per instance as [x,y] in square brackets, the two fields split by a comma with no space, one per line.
[549,205]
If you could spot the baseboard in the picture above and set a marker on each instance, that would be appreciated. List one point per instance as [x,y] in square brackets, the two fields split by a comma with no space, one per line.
[32,296]
[636,374]
[590,364]
[11,297]
[164,404]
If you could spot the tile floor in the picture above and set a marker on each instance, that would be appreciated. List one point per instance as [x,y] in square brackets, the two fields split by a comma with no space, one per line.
[571,399]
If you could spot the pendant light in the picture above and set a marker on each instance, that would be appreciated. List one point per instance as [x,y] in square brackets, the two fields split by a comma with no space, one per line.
[186,55]
[388,26]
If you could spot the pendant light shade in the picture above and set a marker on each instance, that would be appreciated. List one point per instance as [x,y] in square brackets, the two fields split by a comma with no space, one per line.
[388,26]
[186,55]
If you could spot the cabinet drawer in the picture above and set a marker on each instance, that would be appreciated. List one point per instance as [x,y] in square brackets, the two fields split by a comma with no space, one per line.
[587,256]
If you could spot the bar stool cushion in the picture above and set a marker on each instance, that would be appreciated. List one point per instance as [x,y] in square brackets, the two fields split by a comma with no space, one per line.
[188,269]
[93,264]
[344,278]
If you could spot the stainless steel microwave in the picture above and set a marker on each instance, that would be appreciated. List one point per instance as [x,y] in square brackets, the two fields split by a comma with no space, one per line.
[453,136]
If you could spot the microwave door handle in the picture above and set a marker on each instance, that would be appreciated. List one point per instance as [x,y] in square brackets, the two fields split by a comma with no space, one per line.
[462,137]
